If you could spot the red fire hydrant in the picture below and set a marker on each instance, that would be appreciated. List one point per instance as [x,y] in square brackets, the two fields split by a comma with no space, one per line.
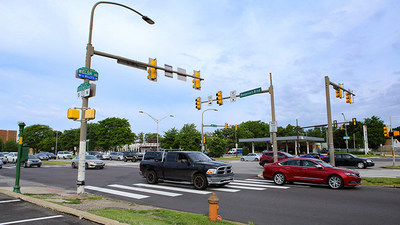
[213,207]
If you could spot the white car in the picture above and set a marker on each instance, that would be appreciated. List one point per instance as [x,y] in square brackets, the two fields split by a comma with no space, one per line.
[64,155]
[3,158]
[250,157]
[12,157]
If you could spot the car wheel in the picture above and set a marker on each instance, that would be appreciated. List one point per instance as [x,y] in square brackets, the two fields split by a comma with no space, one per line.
[279,178]
[125,160]
[25,165]
[335,182]
[360,165]
[241,159]
[200,181]
[39,165]
[102,167]
[73,165]
[151,177]
[256,159]
[86,166]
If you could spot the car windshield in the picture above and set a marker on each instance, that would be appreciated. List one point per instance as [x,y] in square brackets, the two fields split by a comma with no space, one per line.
[91,157]
[287,154]
[199,157]
[32,157]
[324,164]
[353,156]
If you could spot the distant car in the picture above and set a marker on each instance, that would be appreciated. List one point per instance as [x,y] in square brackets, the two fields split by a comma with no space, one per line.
[347,159]
[50,155]
[251,157]
[103,156]
[314,155]
[12,157]
[116,156]
[1,164]
[32,161]
[310,171]
[42,156]
[268,157]
[90,162]
[64,155]
[3,158]
[133,156]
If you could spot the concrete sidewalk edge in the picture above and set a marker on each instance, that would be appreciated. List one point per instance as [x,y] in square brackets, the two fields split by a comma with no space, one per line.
[78,213]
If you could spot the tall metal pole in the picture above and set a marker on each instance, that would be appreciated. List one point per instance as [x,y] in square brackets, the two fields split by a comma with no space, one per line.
[273,134]
[345,130]
[56,141]
[19,156]
[330,131]
[158,148]
[391,130]
[202,127]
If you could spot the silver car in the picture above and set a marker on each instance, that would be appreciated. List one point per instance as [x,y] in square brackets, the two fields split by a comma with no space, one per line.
[116,156]
[250,157]
[64,155]
[3,158]
[90,162]
[1,164]
[32,161]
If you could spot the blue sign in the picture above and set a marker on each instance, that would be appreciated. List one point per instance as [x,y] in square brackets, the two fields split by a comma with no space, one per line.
[86,73]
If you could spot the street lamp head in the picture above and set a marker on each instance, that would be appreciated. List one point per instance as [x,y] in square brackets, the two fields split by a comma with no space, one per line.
[171,115]
[148,20]
[215,109]
[141,112]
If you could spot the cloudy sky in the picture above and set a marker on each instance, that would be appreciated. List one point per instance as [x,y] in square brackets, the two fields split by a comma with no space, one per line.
[235,45]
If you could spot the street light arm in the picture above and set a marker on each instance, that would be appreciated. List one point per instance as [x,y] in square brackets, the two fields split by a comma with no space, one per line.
[155,120]
[164,118]
[145,18]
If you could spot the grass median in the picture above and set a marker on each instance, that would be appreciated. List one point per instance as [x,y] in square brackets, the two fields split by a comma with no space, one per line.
[55,163]
[381,181]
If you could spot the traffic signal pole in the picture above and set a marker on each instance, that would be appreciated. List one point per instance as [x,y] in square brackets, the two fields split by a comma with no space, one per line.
[273,134]
[329,115]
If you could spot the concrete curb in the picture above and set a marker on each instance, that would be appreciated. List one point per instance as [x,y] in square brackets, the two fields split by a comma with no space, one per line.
[78,213]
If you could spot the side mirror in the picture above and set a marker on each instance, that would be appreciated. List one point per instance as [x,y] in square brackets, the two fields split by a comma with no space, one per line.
[319,166]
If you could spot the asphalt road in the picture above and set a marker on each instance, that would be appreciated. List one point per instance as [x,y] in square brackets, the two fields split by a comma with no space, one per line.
[254,200]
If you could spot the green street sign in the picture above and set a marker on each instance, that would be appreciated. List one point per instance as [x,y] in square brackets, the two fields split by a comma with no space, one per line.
[250,92]
[86,73]
[213,125]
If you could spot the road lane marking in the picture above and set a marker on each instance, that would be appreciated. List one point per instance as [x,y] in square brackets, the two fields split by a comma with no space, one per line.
[7,201]
[30,220]
[259,185]
[170,194]
[174,188]
[114,192]
[223,189]
[245,187]
[262,181]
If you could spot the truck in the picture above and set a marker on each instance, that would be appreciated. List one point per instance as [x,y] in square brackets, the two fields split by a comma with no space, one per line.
[187,166]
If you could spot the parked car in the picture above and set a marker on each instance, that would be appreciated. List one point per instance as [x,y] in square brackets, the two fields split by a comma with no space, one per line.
[12,157]
[90,162]
[251,157]
[310,171]
[133,156]
[33,160]
[3,158]
[50,155]
[347,159]
[103,156]
[42,156]
[116,155]
[314,155]
[64,155]
[268,157]
[1,164]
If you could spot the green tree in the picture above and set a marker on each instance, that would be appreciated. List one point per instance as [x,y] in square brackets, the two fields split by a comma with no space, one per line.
[1,145]
[47,144]
[169,139]
[375,131]
[34,134]
[114,132]
[216,146]
[69,139]
[11,146]
[189,138]
[253,129]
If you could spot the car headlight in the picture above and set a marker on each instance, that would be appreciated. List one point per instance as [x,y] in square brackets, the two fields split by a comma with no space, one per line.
[212,171]
[351,174]
[369,160]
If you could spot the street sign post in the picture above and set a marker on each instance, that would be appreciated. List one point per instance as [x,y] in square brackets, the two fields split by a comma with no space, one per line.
[86,73]
[250,92]
[273,127]
[83,90]
[213,125]
[210,100]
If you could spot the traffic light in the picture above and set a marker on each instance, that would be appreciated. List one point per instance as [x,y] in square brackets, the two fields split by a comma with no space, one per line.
[152,72]
[73,114]
[396,133]
[348,97]
[341,127]
[339,92]
[196,82]
[219,98]
[204,139]
[226,125]
[335,123]
[386,131]
[90,114]
[198,103]
[354,121]
[236,127]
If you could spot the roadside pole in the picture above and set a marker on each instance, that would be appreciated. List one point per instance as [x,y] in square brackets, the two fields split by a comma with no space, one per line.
[273,133]
[330,131]
[19,156]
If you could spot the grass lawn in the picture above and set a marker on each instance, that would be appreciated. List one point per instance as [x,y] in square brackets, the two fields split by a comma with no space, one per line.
[55,163]
[156,217]
[380,181]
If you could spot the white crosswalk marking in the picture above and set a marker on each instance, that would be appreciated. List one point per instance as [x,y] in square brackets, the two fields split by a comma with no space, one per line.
[223,189]
[258,185]
[262,181]
[170,194]
[174,189]
[114,192]
[244,187]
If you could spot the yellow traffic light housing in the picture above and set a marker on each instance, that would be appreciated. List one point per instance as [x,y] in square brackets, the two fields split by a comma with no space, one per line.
[335,123]
[236,127]
[219,98]
[226,125]
[354,121]
[386,131]
[204,139]
[198,103]
[348,97]
[152,72]
[339,92]
[396,133]
[90,114]
[73,114]
[196,82]
[341,127]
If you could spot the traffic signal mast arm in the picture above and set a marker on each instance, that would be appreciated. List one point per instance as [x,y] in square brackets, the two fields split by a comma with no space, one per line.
[337,87]
[324,125]
[223,98]
[139,65]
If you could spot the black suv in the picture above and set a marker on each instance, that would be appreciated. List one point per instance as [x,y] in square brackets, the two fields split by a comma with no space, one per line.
[347,159]
[133,156]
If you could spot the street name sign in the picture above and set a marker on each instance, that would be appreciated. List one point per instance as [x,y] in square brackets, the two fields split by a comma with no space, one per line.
[86,73]
[250,92]
[273,127]
[83,90]
[233,96]
[213,125]
[346,137]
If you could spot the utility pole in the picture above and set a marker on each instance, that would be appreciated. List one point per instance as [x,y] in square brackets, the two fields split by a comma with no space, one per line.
[273,133]
[345,130]
[329,117]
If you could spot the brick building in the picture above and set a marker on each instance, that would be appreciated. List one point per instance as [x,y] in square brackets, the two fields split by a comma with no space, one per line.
[6,135]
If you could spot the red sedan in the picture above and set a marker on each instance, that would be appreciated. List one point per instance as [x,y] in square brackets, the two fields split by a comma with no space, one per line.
[310,171]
